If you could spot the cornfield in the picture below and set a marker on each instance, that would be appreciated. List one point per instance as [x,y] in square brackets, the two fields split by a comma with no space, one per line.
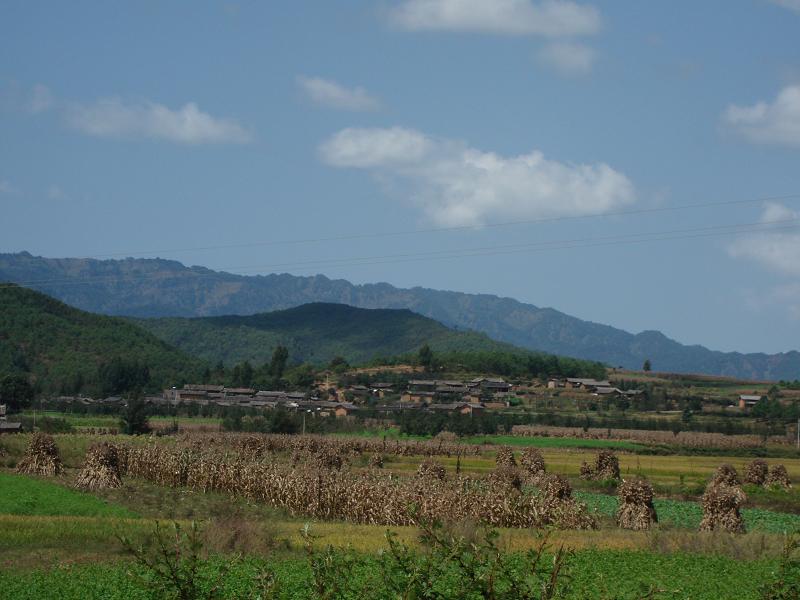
[313,489]
[688,439]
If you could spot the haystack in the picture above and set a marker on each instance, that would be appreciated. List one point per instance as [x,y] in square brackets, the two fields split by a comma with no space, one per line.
[778,477]
[721,504]
[101,469]
[532,462]
[606,466]
[505,457]
[756,472]
[430,469]
[636,510]
[41,457]
[725,475]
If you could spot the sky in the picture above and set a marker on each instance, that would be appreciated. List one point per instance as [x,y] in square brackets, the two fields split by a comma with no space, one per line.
[630,163]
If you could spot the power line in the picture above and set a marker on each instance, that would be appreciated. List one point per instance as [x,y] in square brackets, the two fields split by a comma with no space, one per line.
[531,247]
[357,236]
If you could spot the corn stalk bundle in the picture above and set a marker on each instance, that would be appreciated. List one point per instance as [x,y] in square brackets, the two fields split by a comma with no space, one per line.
[778,476]
[721,504]
[505,457]
[606,466]
[532,463]
[756,472]
[636,510]
[505,477]
[556,487]
[101,469]
[430,469]
[41,457]
[725,475]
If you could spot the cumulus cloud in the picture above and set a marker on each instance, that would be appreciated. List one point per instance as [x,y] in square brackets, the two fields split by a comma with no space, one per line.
[790,4]
[112,117]
[776,250]
[568,58]
[455,184]
[553,18]
[325,92]
[776,122]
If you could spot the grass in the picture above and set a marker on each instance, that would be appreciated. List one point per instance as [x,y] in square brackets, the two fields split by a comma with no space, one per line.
[23,495]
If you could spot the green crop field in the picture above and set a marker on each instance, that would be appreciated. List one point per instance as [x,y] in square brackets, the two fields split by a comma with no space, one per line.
[590,574]
[688,515]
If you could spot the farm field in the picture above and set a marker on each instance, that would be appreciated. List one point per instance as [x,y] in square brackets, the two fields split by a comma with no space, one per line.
[54,535]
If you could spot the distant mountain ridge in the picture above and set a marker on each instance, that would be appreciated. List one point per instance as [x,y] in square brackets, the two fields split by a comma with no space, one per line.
[158,288]
[316,333]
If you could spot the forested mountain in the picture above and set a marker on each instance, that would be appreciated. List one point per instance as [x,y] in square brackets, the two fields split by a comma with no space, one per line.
[61,349]
[319,332]
[157,288]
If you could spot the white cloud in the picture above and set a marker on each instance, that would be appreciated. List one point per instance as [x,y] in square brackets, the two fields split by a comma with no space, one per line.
[776,250]
[325,92]
[568,58]
[41,99]
[783,297]
[112,117]
[458,185]
[777,122]
[552,18]
[790,4]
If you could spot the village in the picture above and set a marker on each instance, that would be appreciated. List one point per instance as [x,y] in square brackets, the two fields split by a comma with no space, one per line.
[475,396]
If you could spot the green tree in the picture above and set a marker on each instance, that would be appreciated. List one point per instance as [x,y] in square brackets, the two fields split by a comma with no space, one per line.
[16,392]
[133,420]
[647,366]
[425,357]
[277,365]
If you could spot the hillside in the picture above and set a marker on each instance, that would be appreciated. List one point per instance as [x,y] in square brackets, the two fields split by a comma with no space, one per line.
[66,350]
[316,333]
[157,288]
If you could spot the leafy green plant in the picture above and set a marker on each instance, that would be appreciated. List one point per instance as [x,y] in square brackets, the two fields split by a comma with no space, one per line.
[457,567]
[786,583]
[172,562]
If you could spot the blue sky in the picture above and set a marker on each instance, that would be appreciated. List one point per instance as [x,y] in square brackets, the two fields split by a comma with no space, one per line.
[525,148]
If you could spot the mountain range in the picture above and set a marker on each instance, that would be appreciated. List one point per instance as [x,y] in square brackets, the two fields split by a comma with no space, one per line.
[139,287]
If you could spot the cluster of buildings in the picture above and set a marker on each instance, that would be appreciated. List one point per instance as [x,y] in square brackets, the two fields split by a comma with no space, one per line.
[7,426]
[592,386]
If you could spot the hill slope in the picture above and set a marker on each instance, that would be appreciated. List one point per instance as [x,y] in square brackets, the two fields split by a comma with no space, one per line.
[155,287]
[316,333]
[66,350]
